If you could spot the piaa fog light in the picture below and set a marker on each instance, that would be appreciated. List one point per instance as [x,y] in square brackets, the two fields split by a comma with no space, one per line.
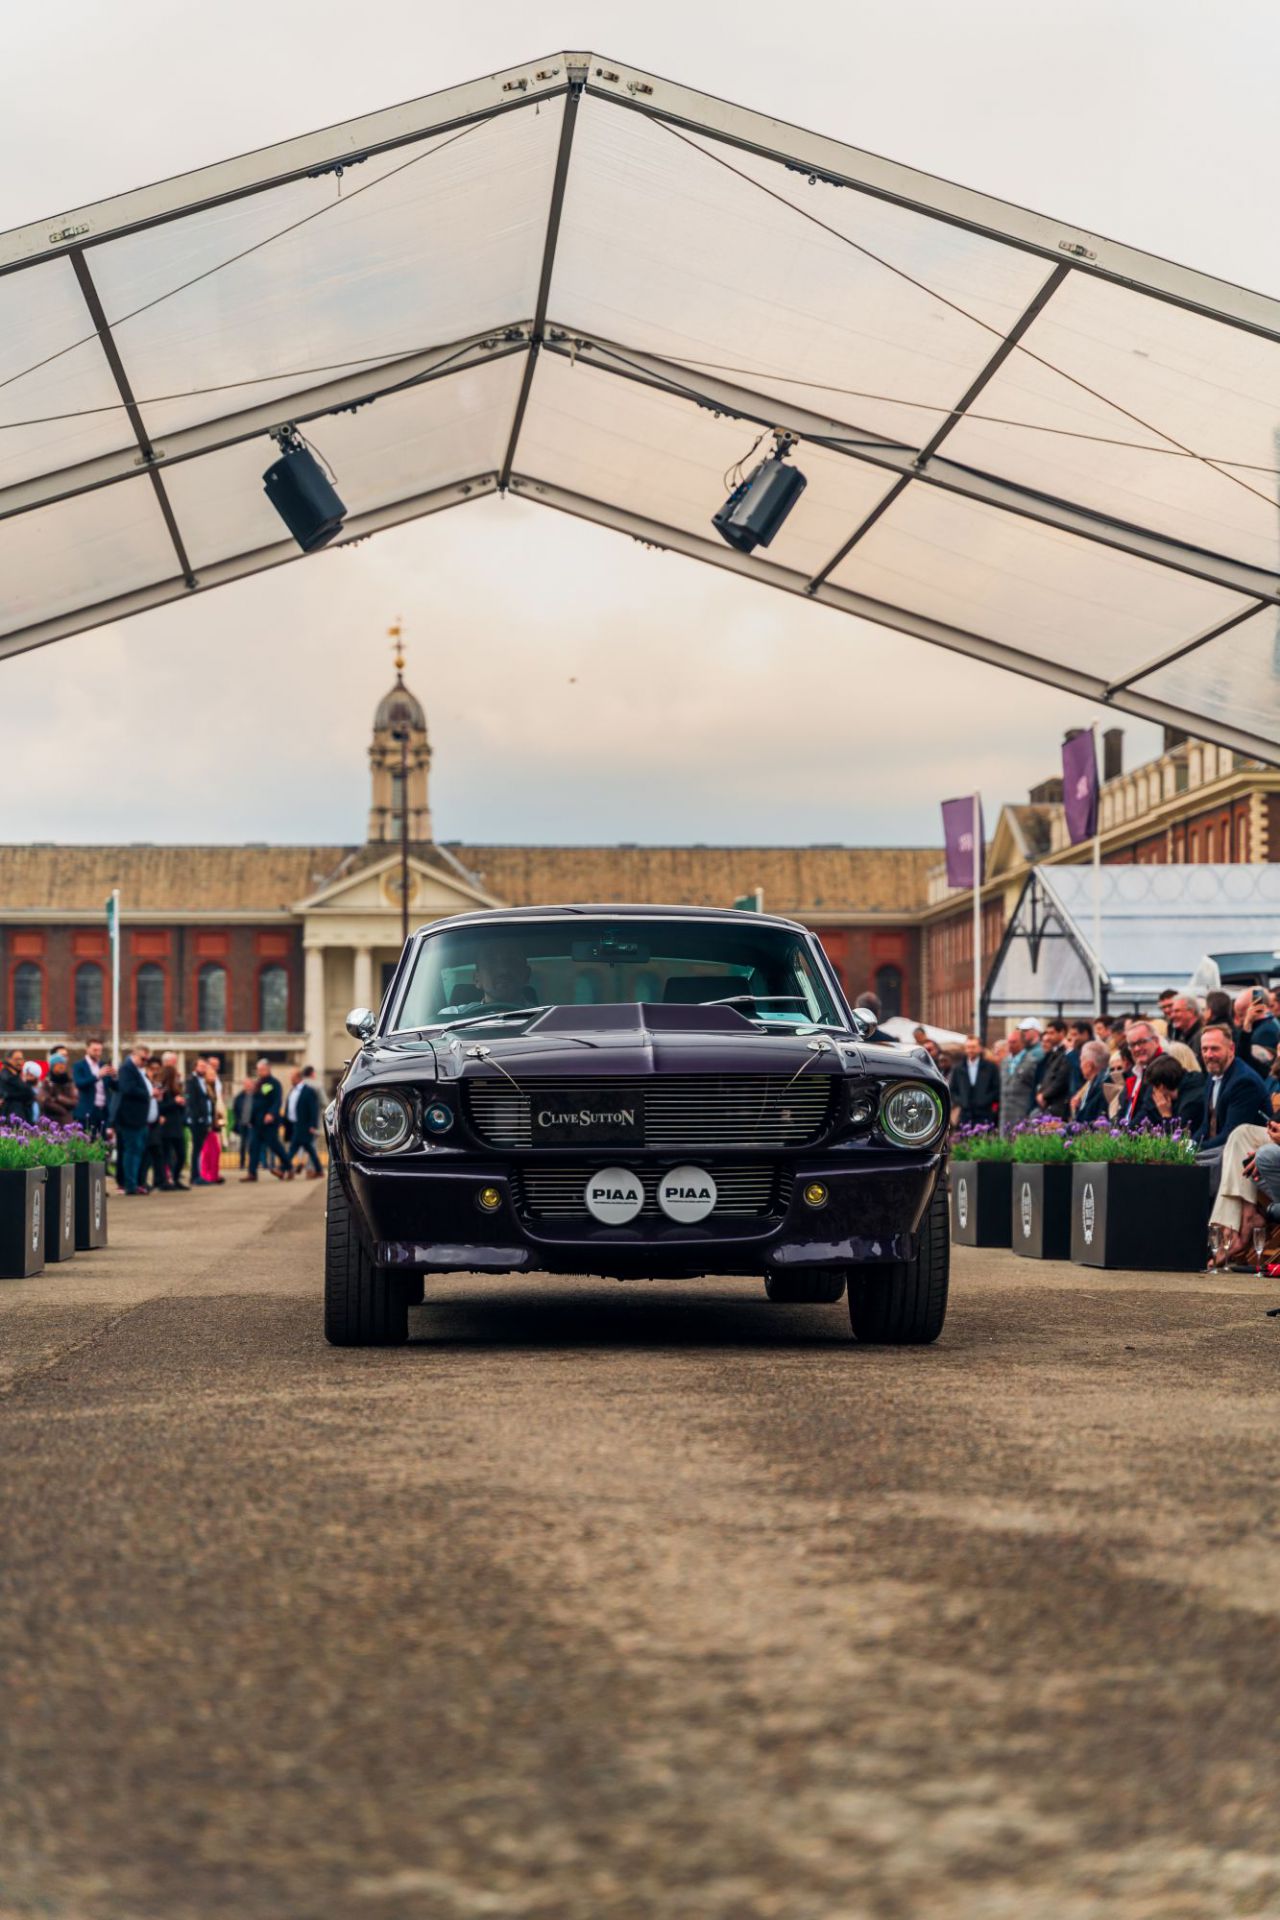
[381,1122]
[437,1118]
[815,1194]
[911,1114]
[488,1199]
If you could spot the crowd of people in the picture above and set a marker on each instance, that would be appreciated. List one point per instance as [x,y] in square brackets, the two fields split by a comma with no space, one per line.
[169,1132]
[1208,1067]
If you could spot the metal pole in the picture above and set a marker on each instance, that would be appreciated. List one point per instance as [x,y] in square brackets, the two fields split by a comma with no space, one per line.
[1097,881]
[977,914]
[115,978]
[404,837]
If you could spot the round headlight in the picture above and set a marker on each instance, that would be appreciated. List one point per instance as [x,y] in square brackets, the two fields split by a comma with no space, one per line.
[381,1122]
[912,1114]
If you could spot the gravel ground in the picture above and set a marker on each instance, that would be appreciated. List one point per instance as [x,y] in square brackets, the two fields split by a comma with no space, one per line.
[605,1601]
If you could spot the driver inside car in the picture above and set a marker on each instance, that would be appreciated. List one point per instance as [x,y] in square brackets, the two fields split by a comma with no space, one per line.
[502,976]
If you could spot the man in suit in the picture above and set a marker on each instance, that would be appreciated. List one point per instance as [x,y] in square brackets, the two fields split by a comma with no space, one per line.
[303,1110]
[199,1115]
[136,1108]
[1185,1023]
[266,1112]
[1053,1090]
[1091,1103]
[91,1089]
[1237,1095]
[975,1088]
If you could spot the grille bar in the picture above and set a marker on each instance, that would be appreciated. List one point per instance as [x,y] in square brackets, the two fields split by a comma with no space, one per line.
[557,1193]
[676,1110]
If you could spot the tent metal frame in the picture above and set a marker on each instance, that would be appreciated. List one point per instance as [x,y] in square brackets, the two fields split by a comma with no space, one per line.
[1066,250]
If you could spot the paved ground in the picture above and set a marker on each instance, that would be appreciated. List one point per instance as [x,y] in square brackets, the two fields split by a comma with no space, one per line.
[603,1602]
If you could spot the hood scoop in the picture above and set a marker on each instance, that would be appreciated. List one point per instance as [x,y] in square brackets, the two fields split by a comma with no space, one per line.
[629,1017]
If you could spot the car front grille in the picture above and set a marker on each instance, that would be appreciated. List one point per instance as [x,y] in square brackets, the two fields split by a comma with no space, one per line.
[691,1110]
[558,1192]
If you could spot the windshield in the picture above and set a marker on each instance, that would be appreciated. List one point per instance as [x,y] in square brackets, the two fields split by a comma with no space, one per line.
[768,973]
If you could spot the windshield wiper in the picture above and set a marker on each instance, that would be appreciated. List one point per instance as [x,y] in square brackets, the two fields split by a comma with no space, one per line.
[757,1000]
[488,1019]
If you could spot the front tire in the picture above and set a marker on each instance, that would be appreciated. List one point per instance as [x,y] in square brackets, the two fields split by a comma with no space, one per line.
[364,1305]
[816,1286]
[903,1304]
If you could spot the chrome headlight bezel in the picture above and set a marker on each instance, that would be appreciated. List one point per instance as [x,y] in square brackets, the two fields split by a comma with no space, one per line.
[913,1089]
[386,1097]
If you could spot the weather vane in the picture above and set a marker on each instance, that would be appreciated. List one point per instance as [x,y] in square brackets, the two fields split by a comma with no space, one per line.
[395,634]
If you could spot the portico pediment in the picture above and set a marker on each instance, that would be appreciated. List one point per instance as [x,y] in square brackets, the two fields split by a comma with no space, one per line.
[373,891]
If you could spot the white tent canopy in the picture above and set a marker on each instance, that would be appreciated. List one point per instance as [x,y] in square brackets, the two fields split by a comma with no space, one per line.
[1158,926]
[598,288]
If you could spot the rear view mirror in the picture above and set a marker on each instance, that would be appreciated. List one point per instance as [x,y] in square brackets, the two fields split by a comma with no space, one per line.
[360,1024]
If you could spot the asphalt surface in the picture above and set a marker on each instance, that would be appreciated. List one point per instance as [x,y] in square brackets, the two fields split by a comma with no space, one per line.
[647,1600]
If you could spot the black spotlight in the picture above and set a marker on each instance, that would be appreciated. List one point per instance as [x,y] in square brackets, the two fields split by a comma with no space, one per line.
[299,490]
[759,504]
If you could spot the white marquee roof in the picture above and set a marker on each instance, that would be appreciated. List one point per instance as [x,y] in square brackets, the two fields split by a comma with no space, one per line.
[597,288]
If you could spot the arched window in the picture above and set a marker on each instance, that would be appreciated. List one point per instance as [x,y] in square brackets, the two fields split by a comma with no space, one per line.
[889,991]
[88,994]
[273,1000]
[211,997]
[148,997]
[28,996]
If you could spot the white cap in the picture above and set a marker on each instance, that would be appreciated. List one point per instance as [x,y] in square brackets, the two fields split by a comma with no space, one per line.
[1028,1026]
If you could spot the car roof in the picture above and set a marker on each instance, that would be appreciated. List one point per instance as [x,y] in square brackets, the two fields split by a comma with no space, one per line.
[608,910]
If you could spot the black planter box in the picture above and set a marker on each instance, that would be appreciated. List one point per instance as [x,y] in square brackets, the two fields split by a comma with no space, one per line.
[91,1205]
[980,1202]
[1153,1219]
[22,1211]
[60,1214]
[1040,1220]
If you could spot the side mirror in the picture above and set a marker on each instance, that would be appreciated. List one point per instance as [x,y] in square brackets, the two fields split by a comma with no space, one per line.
[864,1022]
[360,1024]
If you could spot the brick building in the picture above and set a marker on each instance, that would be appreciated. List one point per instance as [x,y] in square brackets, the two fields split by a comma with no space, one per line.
[249,949]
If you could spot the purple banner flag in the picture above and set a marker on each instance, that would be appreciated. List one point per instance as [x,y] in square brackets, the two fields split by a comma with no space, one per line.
[957,828]
[1080,786]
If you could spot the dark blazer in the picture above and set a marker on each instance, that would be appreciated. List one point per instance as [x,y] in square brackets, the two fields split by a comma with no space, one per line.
[86,1085]
[307,1116]
[199,1101]
[242,1112]
[1242,1101]
[979,1104]
[1055,1083]
[1189,1107]
[268,1098]
[173,1116]
[133,1103]
[1094,1105]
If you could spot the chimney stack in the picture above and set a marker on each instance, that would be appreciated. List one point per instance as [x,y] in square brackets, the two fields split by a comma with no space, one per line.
[1113,753]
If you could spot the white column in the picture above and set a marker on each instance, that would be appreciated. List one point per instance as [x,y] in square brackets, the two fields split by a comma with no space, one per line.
[363,981]
[313,1007]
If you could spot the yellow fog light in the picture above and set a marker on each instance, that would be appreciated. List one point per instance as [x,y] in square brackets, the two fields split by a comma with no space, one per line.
[488,1199]
[815,1194]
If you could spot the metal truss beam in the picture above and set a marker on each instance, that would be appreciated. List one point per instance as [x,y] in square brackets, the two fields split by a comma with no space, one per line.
[976,646]
[311,153]
[307,403]
[860,443]
[221,572]
[559,183]
[833,163]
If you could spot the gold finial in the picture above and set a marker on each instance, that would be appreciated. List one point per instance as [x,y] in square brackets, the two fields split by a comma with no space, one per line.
[395,634]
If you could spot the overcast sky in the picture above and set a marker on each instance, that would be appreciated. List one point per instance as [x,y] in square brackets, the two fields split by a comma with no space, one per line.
[578,687]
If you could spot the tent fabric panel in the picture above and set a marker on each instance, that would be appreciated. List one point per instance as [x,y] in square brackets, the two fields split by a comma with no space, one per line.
[77,552]
[1049,593]
[430,243]
[656,455]
[1235,679]
[662,248]
[403,445]
[1159,380]
[51,362]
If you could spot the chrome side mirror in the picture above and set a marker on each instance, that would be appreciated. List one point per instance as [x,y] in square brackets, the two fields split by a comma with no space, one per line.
[864,1022]
[360,1024]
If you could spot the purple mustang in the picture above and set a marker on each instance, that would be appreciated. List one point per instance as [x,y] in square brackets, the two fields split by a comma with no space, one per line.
[633,1091]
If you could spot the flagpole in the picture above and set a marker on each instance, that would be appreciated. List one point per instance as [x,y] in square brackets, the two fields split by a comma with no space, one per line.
[1097,879]
[115,978]
[977,914]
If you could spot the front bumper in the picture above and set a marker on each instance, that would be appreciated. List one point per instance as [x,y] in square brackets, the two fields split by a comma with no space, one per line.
[420,1214]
